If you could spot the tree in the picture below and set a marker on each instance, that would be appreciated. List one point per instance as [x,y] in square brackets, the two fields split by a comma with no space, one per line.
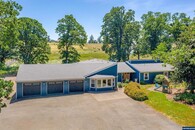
[9,11]
[5,91]
[182,57]
[155,27]
[70,32]
[179,24]
[91,39]
[160,52]
[33,47]
[99,40]
[115,31]
[131,37]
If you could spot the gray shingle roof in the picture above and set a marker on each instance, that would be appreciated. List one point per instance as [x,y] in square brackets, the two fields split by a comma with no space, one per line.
[101,76]
[153,67]
[124,68]
[57,72]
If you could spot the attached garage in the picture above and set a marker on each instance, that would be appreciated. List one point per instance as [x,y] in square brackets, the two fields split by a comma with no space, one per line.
[76,86]
[54,87]
[30,89]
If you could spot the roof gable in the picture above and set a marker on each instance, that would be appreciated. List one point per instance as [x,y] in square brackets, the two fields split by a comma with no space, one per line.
[124,68]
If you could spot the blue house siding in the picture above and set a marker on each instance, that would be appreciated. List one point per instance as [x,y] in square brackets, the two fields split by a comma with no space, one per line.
[86,84]
[108,71]
[19,91]
[43,88]
[152,76]
[120,77]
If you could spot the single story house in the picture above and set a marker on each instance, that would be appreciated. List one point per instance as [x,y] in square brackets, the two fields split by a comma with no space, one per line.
[91,75]
[146,70]
[44,79]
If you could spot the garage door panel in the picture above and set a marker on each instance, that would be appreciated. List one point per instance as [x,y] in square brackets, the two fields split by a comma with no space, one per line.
[31,89]
[76,86]
[54,87]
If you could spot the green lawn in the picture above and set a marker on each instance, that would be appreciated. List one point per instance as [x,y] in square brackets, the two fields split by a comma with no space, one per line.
[180,113]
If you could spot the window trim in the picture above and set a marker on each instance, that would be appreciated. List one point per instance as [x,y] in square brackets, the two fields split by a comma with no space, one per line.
[148,76]
[101,86]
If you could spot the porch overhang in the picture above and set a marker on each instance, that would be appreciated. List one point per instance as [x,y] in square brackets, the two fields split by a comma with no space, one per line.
[102,77]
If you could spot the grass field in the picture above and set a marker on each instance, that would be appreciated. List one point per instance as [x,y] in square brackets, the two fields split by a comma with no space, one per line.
[180,113]
[89,51]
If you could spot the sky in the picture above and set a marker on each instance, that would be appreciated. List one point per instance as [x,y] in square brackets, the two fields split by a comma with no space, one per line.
[90,13]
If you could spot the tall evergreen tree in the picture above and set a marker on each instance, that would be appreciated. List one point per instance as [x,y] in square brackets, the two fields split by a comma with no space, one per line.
[91,39]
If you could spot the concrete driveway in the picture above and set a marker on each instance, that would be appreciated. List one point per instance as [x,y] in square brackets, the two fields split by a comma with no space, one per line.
[86,111]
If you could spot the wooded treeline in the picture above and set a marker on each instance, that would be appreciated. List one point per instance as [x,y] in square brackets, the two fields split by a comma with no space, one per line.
[122,35]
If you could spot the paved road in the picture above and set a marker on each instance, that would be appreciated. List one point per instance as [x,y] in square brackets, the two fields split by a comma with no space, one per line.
[83,112]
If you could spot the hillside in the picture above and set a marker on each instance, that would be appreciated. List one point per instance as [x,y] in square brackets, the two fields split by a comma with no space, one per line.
[89,51]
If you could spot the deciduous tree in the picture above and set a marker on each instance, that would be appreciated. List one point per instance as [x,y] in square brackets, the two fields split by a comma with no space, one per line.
[70,32]
[9,10]
[182,57]
[179,23]
[155,28]
[33,47]
[117,25]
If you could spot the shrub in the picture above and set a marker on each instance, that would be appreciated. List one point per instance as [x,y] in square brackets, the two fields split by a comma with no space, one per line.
[126,80]
[159,79]
[5,91]
[186,97]
[133,90]
[120,85]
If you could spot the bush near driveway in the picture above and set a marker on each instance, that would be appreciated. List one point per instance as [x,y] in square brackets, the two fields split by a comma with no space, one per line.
[134,91]
[5,91]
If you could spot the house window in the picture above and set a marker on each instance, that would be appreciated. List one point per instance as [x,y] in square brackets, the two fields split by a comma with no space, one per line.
[104,83]
[92,83]
[146,76]
[166,74]
[99,83]
[109,83]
